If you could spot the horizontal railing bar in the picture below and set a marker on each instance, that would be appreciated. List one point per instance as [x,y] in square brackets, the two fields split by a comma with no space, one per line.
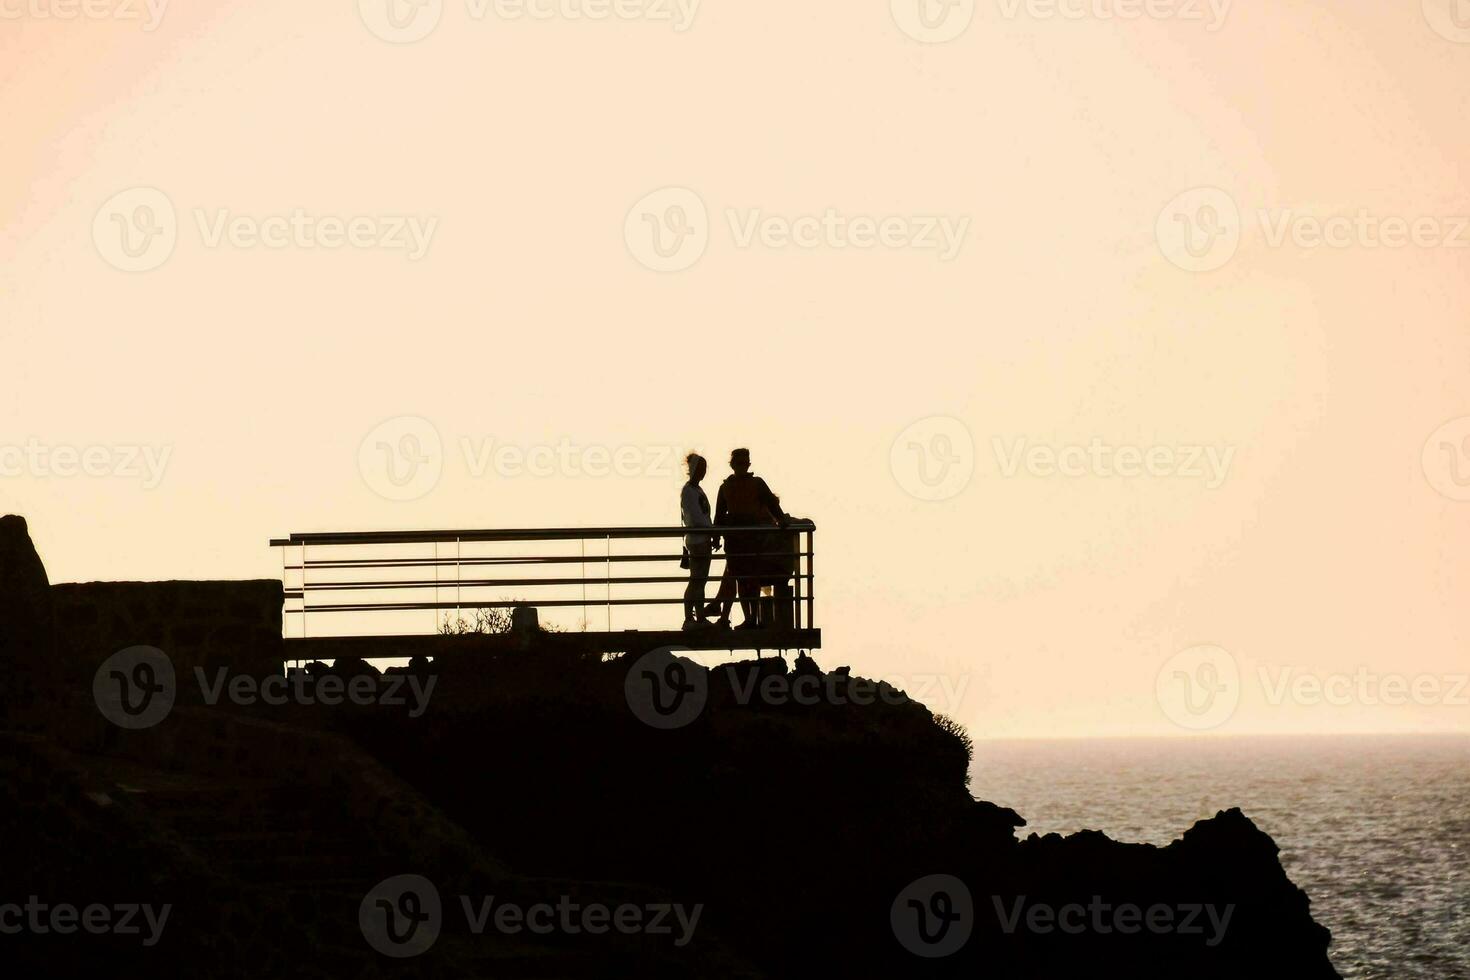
[517,534]
[485,583]
[495,560]
[404,606]
[559,560]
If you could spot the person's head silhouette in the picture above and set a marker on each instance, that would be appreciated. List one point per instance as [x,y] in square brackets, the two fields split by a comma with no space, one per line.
[740,460]
[696,466]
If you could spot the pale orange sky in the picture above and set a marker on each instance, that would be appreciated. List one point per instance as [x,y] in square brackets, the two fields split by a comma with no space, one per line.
[1053,601]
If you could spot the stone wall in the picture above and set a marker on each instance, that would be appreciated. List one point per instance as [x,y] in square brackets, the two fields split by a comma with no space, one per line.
[198,624]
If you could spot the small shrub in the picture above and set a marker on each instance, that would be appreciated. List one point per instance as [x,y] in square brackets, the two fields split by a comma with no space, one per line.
[491,619]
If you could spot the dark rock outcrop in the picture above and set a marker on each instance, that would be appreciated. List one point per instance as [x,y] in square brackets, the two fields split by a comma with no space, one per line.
[809,814]
[27,618]
[800,821]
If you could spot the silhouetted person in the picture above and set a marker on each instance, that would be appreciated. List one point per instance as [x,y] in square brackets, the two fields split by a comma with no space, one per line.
[694,512]
[745,500]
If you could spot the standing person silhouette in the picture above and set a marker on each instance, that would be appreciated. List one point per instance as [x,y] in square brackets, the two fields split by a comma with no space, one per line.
[694,512]
[744,500]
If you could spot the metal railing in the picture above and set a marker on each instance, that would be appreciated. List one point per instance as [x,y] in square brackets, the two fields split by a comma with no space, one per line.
[379,571]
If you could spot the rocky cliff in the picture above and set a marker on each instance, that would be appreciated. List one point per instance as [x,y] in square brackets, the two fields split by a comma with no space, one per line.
[776,820]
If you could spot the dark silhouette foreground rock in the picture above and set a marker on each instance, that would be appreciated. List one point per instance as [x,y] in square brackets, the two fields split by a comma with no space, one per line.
[27,618]
[799,822]
[820,821]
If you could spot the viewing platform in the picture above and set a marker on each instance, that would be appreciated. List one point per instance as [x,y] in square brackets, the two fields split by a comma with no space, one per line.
[594,590]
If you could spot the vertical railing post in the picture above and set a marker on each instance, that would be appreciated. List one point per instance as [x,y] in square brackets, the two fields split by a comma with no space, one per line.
[285,612]
[796,597]
[811,585]
[608,583]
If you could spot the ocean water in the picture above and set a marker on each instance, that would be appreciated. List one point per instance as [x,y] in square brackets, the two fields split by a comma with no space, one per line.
[1375,828]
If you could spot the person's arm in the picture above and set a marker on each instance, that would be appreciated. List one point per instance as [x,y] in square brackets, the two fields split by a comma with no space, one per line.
[722,514]
[772,502]
[722,507]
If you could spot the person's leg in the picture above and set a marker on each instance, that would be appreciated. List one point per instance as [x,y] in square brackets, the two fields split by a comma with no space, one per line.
[785,605]
[690,597]
[694,592]
[724,596]
[735,563]
[750,593]
[754,570]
